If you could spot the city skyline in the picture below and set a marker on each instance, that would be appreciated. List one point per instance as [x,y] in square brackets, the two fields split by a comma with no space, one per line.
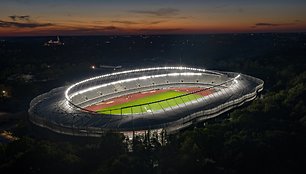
[94,17]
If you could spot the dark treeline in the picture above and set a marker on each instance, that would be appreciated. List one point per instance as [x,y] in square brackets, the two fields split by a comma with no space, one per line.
[266,136]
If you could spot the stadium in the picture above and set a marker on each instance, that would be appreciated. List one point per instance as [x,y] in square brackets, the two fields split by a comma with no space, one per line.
[160,99]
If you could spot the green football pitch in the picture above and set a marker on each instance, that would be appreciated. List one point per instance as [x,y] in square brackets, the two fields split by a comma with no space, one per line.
[143,108]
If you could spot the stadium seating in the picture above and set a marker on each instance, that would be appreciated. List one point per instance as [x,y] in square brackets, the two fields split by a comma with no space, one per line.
[141,84]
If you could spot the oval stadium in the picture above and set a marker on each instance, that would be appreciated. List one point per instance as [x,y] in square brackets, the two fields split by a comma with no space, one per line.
[151,99]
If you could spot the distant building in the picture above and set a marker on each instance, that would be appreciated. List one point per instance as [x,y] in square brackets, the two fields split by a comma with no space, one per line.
[21,77]
[54,42]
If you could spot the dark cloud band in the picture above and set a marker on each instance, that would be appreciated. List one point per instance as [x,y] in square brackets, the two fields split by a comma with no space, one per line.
[5,24]
[22,18]
[160,12]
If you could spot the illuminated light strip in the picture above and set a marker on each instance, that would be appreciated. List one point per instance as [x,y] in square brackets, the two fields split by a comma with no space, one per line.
[129,71]
[132,79]
[237,76]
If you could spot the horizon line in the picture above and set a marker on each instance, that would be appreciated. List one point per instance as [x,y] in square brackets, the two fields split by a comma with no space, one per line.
[155,34]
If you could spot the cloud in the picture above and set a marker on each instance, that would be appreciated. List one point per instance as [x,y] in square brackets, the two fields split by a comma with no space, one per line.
[138,22]
[21,18]
[73,31]
[267,24]
[106,28]
[99,22]
[5,24]
[95,28]
[125,22]
[22,21]
[156,22]
[162,12]
[225,8]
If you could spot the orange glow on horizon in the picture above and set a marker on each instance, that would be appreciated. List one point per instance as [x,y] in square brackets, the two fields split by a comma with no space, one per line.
[166,28]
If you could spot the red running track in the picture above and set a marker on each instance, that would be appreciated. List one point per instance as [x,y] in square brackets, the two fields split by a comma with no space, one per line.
[135,96]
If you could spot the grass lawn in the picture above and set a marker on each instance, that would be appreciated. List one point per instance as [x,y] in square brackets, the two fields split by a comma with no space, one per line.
[150,107]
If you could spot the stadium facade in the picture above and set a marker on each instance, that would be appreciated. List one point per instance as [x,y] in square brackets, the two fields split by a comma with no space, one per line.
[65,109]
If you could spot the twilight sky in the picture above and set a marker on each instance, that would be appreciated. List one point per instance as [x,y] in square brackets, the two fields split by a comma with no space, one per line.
[96,17]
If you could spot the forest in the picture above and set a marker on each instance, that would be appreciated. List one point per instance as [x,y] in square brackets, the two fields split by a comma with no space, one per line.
[264,136]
